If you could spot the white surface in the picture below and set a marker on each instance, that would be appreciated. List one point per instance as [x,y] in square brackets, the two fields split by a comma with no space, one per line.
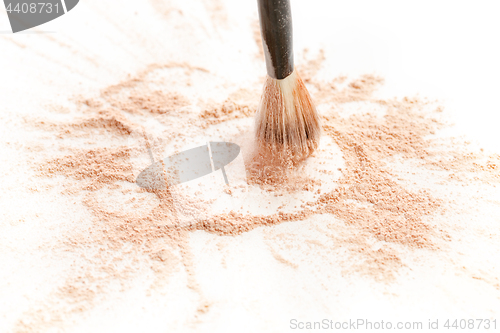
[446,50]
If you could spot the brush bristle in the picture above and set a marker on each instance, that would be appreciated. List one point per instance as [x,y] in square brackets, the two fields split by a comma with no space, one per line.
[287,122]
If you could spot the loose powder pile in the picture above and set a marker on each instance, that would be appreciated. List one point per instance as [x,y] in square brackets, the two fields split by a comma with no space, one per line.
[367,195]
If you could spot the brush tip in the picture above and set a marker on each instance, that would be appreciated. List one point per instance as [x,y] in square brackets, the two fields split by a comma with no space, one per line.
[287,123]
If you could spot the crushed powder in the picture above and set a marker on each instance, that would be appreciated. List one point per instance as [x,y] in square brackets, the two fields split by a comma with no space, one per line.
[156,102]
[229,110]
[96,168]
[367,198]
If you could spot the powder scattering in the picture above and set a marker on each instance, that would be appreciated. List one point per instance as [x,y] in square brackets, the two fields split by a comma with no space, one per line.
[336,91]
[98,167]
[229,110]
[312,66]
[155,103]
[110,120]
[368,200]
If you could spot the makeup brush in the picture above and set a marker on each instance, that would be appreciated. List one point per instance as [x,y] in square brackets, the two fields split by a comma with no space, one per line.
[286,121]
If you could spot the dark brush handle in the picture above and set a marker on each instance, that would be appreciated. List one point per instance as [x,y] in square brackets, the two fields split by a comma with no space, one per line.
[276,28]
